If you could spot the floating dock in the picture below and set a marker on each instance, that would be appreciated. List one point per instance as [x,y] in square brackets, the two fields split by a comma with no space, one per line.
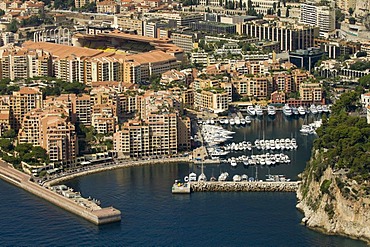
[97,215]
[244,186]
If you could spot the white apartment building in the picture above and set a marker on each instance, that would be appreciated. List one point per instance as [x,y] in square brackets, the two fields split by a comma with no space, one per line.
[321,16]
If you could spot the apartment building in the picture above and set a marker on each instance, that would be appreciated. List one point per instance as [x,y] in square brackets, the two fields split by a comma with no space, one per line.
[213,27]
[283,82]
[184,41]
[23,101]
[257,87]
[183,133]
[311,92]
[129,23]
[321,16]
[181,18]
[156,136]
[213,100]
[299,76]
[50,129]
[104,95]
[4,115]
[108,6]
[290,36]
[263,6]
[19,63]
[103,118]
[81,3]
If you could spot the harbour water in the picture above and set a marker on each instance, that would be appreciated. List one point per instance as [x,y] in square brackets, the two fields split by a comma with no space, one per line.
[152,216]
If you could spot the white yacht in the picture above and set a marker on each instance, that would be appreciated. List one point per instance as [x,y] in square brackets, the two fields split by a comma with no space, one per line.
[192,177]
[313,109]
[287,110]
[233,163]
[319,108]
[237,178]
[222,121]
[242,121]
[226,121]
[232,121]
[251,111]
[259,111]
[301,111]
[325,109]
[271,111]
[248,120]
[295,110]
[237,120]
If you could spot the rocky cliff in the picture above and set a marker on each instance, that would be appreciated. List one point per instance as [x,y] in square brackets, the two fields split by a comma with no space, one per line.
[333,203]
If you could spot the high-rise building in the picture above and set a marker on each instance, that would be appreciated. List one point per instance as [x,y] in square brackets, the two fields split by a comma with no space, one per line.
[290,36]
[321,16]
[23,101]
[50,129]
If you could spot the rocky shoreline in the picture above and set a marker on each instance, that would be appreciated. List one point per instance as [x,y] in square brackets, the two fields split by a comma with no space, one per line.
[329,212]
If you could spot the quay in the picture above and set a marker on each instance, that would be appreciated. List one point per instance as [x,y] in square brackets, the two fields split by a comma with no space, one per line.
[260,186]
[95,215]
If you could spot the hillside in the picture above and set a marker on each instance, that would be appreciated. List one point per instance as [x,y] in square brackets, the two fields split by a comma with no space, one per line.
[335,191]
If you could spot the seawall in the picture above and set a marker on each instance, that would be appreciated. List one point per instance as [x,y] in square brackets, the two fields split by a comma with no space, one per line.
[21,180]
[120,165]
[244,186]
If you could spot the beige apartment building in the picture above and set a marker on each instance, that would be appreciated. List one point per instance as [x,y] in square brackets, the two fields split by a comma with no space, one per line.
[156,136]
[311,92]
[17,63]
[212,100]
[50,129]
[103,118]
[257,87]
[23,101]
[283,82]
[107,6]
[129,23]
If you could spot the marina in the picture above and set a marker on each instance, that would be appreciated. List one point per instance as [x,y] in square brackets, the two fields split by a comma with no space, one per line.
[143,193]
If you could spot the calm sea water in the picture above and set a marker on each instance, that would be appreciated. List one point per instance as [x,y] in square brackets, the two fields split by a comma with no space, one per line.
[152,216]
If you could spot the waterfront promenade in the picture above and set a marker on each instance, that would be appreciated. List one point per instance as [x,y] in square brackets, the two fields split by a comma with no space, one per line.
[117,164]
[97,216]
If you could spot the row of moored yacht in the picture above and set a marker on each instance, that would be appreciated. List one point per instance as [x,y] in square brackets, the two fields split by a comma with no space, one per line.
[260,159]
[277,144]
[314,109]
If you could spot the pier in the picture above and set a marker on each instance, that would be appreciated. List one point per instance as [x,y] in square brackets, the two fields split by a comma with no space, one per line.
[244,186]
[95,215]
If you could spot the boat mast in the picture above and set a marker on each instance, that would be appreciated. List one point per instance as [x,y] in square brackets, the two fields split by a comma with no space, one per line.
[256,173]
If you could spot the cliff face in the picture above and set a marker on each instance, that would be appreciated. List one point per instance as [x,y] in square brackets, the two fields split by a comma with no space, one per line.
[334,203]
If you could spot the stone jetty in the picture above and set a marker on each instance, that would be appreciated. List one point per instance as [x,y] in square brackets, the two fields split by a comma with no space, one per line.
[244,186]
[96,215]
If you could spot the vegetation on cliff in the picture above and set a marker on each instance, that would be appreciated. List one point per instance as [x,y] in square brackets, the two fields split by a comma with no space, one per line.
[343,145]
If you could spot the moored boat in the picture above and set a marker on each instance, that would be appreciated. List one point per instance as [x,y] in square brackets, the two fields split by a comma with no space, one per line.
[287,110]
[251,111]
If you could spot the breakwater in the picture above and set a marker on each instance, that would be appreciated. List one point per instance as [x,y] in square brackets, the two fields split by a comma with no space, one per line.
[244,186]
[97,216]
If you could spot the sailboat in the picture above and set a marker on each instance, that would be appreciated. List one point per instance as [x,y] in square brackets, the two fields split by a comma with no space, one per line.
[202,177]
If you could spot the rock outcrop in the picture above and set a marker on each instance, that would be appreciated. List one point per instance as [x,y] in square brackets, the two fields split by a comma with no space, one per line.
[333,203]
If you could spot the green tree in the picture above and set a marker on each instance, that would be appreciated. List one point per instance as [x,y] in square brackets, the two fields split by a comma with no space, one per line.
[6,145]
[23,148]
[9,134]
[2,12]
[365,81]
[13,26]
[350,11]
